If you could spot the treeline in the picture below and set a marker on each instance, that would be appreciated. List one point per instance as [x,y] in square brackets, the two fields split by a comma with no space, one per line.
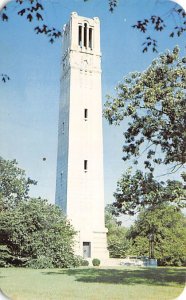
[34,233]
[158,232]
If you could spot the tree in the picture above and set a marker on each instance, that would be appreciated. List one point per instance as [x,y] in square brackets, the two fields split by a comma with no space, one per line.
[153,103]
[32,232]
[118,245]
[14,186]
[162,230]
[36,234]
[138,191]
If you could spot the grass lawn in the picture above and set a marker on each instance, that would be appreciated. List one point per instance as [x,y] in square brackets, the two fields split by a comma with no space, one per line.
[93,283]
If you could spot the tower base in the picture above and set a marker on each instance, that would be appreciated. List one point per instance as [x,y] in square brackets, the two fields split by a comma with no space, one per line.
[92,244]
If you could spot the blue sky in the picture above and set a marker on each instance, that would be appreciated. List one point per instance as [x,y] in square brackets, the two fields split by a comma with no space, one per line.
[29,101]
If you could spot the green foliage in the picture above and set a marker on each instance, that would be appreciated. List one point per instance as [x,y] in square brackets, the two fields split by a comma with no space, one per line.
[14,186]
[80,261]
[163,231]
[139,190]
[84,263]
[118,244]
[5,256]
[35,229]
[96,262]
[32,232]
[42,262]
[153,103]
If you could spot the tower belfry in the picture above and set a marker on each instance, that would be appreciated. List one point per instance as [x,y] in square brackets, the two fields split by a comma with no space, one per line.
[79,183]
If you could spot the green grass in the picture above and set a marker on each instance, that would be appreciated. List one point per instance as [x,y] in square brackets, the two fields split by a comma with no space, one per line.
[93,283]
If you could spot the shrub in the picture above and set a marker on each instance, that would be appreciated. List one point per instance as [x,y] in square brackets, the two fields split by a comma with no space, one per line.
[5,256]
[36,234]
[85,263]
[41,262]
[96,262]
[80,261]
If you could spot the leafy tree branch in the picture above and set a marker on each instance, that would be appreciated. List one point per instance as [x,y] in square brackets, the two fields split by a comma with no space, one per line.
[157,23]
[34,10]
[153,104]
[14,186]
[140,190]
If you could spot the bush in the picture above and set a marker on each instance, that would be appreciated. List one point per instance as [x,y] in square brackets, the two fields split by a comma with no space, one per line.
[96,262]
[5,256]
[36,234]
[41,262]
[85,263]
[80,261]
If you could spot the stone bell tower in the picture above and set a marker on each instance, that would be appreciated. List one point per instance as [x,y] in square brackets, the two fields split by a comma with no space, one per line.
[79,183]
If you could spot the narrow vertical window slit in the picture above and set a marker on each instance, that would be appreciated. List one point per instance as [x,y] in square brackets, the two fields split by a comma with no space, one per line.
[85,114]
[85,165]
[63,128]
[61,180]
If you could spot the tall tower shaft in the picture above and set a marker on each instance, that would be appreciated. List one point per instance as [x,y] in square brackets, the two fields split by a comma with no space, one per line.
[79,183]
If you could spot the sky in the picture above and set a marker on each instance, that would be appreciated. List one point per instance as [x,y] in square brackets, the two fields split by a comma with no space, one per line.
[29,101]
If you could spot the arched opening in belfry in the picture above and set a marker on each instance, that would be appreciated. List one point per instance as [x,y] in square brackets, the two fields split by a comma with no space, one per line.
[90,38]
[85,35]
[80,36]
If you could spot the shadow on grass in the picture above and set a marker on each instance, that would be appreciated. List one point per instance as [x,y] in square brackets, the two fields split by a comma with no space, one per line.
[146,276]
